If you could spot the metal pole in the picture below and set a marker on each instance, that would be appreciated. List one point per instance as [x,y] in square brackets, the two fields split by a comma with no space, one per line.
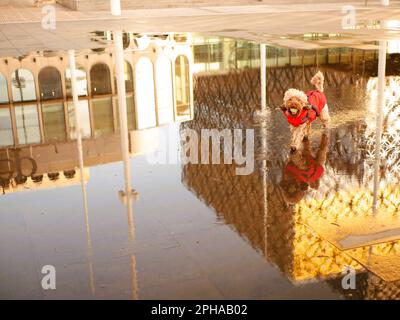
[78,130]
[129,194]
[379,114]
[263,67]
[123,120]
[264,133]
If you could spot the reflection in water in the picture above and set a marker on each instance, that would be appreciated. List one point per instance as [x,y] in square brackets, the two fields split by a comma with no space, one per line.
[308,213]
[182,86]
[294,234]
[303,170]
[6,132]
[146,104]
[27,124]
[54,122]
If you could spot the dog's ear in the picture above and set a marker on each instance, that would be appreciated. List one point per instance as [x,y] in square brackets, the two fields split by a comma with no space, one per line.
[307,107]
[283,108]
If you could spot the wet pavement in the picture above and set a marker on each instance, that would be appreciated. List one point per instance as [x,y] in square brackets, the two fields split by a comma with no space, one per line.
[197,231]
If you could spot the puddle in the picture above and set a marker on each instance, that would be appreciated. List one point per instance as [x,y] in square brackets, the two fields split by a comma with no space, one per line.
[147,225]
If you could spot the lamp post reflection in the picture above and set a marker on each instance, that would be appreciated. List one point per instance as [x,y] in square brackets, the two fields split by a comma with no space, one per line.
[128,195]
[72,65]
[379,116]
[264,132]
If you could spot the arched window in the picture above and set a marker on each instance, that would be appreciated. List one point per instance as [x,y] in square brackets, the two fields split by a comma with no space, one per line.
[6,133]
[182,86]
[100,79]
[50,88]
[23,86]
[50,85]
[83,104]
[128,76]
[146,113]
[130,101]
[27,123]
[164,90]
[3,89]
[102,106]
[81,82]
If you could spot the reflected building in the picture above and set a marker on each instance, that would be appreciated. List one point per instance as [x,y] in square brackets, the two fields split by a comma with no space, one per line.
[38,138]
[290,236]
[37,115]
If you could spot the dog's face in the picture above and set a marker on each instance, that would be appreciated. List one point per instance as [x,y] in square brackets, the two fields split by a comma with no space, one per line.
[294,106]
[292,190]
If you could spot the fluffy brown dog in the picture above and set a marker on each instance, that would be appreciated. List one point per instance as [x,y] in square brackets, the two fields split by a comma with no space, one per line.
[301,109]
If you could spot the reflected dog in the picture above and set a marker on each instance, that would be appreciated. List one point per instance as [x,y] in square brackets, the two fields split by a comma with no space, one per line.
[303,170]
[301,109]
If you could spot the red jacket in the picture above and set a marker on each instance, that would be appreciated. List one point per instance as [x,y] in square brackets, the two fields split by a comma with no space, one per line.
[313,173]
[317,100]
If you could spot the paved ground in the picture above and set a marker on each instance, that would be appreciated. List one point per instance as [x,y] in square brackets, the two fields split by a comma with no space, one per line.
[21,29]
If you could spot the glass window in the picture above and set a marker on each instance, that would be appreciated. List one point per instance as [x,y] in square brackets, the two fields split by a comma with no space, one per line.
[81,82]
[146,105]
[6,134]
[164,90]
[28,130]
[100,79]
[128,75]
[102,116]
[83,107]
[182,86]
[23,86]
[283,56]
[3,89]
[50,85]
[54,122]
[130,110]
[209,52]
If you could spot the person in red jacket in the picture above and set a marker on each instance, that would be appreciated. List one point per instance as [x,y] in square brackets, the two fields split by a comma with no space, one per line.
[301,109]
[302,171]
